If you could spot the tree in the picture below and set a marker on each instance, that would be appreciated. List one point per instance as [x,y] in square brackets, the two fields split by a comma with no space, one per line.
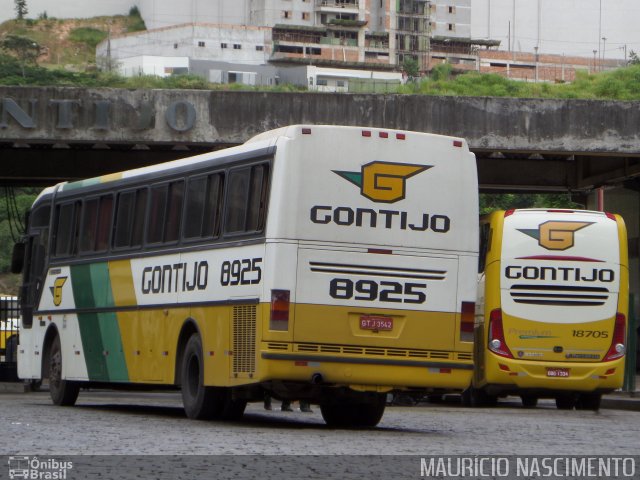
[410,67]
[24,48]
[21,8]
[633,58]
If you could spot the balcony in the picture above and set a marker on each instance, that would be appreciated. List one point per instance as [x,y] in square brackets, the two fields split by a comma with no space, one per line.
[338,6]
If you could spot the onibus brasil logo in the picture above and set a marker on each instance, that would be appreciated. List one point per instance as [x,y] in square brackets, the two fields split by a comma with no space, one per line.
[383,182]
[555,235]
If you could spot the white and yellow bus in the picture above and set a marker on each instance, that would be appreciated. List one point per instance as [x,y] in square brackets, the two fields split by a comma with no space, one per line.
[329,264]
[552,307]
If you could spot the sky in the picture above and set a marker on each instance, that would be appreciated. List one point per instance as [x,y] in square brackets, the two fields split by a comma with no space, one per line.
[570,27]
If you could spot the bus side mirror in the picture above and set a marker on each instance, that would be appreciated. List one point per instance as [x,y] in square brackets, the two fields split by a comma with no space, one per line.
[17,257]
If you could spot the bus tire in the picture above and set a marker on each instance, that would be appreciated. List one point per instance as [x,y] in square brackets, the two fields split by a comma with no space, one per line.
[63,392]
[200,402]
[367,413]
[589,401]
[232,408]
[479,398]
[11,349]
[565,402]
[529,401]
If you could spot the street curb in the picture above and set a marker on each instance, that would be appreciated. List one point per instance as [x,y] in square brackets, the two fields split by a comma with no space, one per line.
[621,403]
[13,387]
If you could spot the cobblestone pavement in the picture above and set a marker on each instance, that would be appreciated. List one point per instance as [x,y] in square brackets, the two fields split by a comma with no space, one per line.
[154,423]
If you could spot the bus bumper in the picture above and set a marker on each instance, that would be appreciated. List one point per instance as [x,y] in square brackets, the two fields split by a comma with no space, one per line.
[504,376]
[366,373]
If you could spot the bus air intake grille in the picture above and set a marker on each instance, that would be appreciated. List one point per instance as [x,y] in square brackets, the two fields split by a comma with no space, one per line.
[352,351]
[464,356]
[559,295]
[278,346]
[244,339]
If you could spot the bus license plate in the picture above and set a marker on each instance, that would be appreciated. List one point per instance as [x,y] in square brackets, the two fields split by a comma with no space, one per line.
[557,372]
[371,322]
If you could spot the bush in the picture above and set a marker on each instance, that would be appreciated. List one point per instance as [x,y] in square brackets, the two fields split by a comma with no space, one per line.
[87,35]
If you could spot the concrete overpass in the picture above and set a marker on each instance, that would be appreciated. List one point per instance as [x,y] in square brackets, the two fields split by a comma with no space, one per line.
[49,134]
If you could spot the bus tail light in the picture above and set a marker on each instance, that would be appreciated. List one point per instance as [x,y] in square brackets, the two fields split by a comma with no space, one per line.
[617,348]
[279,319]
[497,343]
[467,316]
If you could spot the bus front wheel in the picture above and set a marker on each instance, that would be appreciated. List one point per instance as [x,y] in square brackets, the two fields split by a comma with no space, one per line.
[62,392]
[353,413]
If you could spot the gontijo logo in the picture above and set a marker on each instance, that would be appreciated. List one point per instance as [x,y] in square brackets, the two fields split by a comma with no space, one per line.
[56,290]
[383,181]
[555,235]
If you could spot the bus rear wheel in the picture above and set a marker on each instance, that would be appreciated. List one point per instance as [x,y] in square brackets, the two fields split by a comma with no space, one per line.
[200,402]
[529,401]
[62,392]
[565,402]
[589,401]
[354,413]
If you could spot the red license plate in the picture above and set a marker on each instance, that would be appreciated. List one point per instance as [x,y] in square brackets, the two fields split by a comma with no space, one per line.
[557,372]
[372,322]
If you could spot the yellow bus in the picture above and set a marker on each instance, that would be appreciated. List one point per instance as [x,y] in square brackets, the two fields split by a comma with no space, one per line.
[321,263]
[552,307]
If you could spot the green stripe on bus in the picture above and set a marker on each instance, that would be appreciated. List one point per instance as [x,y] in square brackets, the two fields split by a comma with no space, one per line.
[82,183]
[100,332]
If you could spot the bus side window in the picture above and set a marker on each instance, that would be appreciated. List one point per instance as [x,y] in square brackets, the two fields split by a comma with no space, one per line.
[129,221]
[236,200]
[204,203]
[156,214]
[174,212]
[246,199]
[66,232]
[258,198]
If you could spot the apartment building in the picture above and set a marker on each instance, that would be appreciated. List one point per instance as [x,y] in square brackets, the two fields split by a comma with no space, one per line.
[362,33]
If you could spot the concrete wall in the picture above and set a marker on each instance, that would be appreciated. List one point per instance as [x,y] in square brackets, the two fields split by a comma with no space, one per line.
[588,126]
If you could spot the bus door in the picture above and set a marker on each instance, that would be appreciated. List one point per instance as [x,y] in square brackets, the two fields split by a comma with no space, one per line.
[37,245]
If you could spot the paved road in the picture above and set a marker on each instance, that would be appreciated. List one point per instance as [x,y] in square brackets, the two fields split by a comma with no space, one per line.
[115,435]
[154,423]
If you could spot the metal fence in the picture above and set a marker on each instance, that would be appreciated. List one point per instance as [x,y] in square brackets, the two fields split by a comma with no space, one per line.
[9,330]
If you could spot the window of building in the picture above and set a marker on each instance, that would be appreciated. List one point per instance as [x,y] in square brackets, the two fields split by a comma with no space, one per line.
[452,9]
[237,46]
[321,82]
[286,14]
[305,15]
[201,44]
[259,48]
[451,27]
[175,45]
[223,45]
